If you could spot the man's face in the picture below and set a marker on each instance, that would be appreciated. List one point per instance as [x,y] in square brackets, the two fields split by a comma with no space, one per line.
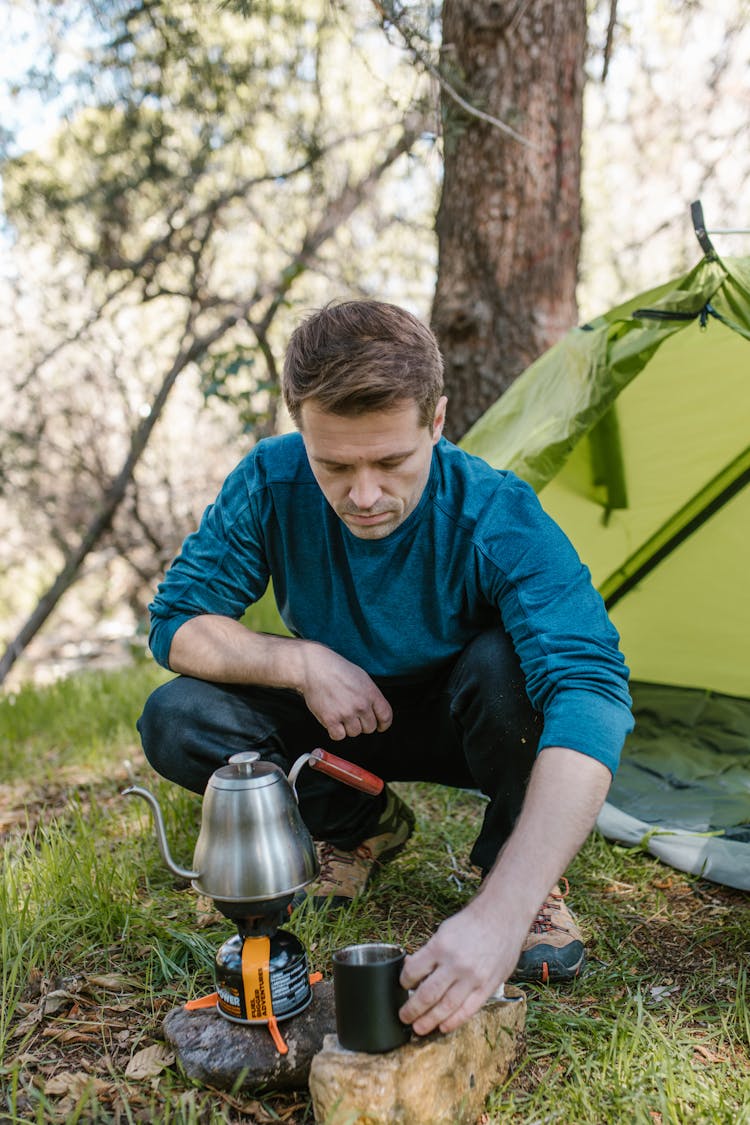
[371,468]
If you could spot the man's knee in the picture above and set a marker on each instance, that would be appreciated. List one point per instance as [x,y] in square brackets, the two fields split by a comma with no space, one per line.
[191,727]
[170,715]
[491,656]
[166,704]
[489,689]
[489,665]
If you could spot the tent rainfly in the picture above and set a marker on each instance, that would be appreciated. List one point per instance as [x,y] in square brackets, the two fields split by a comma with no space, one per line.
[635,431]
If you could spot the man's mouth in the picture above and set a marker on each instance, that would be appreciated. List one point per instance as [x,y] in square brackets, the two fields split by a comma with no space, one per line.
[368,517]
[365,518]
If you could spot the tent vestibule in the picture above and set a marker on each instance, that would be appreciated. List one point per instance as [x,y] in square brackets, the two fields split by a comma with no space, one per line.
[635,431]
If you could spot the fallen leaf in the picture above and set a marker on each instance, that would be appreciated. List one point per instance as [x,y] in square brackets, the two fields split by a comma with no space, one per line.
[259,1113]
[27,1023]
[150,1061]
[72,983]
[73,1084]
[299,1107]
[59,1083]
[702,1054]
[66,1035]
[615,887]
[25,1009]
[56,1001]
[113,982]
[206,913]
[110,1010]
[22,1060]
[661,992]
[68,1108]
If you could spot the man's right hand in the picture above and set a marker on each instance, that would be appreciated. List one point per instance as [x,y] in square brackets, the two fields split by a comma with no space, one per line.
[341,695]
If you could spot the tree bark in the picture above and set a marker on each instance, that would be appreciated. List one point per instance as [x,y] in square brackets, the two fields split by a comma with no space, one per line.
[509,221]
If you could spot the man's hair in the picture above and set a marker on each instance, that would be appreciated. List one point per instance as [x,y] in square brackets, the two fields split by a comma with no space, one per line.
[359,356]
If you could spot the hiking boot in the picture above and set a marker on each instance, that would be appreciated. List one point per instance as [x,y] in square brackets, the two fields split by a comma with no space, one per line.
[344,875]
[553,949]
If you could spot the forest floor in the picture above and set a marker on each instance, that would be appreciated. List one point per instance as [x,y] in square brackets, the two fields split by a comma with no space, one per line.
[99,942]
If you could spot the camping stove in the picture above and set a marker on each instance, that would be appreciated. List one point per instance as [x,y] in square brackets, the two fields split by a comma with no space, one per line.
[262,973]
[253,855]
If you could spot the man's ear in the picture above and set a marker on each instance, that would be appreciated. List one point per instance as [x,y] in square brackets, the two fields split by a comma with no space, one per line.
[438,421]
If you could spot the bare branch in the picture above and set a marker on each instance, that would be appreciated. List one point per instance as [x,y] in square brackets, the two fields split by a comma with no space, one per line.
[193,347]
[338,211]
[610,38]
[409,35]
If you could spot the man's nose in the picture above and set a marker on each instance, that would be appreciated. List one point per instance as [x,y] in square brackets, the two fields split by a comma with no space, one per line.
[365,490]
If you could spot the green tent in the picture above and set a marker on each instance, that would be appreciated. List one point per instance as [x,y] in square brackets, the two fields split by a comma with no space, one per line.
[635,431]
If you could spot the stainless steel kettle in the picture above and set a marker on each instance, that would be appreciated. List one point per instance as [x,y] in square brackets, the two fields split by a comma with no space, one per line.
[253,845]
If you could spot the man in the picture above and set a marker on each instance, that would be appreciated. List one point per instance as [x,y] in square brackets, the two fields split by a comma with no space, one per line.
[443,630]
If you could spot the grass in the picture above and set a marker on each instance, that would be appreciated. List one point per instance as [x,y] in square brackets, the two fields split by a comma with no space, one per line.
[98,942]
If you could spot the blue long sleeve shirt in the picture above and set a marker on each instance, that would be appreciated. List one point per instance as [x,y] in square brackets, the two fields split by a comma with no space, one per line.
[478,550]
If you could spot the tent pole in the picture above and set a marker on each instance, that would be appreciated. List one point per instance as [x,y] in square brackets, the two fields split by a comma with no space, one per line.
[718,492]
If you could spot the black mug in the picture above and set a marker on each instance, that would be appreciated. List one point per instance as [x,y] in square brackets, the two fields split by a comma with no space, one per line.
[368,996]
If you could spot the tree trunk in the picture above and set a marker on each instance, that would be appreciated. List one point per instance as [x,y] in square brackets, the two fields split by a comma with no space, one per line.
[509,219]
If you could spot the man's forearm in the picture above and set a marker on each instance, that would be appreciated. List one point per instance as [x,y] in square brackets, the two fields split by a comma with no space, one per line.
[341,696]
[565,793]
[473,951]
[222,650]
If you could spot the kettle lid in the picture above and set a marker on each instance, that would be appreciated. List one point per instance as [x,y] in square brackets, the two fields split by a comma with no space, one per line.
[246,770]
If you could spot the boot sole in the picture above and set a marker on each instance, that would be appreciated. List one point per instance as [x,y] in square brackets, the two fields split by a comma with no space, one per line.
[546,972]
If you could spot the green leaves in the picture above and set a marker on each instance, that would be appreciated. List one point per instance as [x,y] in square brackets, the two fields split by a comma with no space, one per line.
[231,378]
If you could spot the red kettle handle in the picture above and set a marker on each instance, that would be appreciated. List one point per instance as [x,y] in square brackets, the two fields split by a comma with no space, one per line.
[345,771]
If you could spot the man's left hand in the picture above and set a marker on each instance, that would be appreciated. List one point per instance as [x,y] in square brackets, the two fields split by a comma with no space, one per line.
[458,969]
[476,950]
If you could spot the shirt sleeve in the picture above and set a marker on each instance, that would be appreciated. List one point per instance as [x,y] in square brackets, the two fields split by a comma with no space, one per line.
[568,648]
[222,567]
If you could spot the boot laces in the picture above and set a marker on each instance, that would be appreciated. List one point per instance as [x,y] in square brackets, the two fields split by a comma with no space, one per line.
[544,921]
[330,858]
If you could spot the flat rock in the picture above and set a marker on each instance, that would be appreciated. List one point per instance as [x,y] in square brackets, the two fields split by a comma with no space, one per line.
[435,1080]
[227,1055]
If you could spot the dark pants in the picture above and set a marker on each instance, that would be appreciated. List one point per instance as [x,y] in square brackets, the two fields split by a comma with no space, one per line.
[472,727]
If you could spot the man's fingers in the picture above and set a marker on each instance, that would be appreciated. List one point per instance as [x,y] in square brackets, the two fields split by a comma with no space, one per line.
[448,982]
[368,722]
[425,984]
[383,713]
[416,967]
[465,1011]
[364,721]
[441,1014]
[350,726]
[353,726]
[440,1001]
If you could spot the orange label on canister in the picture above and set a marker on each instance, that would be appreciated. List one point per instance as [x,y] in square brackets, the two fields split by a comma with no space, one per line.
[256,978]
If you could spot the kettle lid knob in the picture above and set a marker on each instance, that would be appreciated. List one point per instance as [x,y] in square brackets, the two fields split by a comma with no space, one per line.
[244,761]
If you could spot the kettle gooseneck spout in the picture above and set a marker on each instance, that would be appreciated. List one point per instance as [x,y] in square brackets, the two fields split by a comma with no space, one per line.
[161,835]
